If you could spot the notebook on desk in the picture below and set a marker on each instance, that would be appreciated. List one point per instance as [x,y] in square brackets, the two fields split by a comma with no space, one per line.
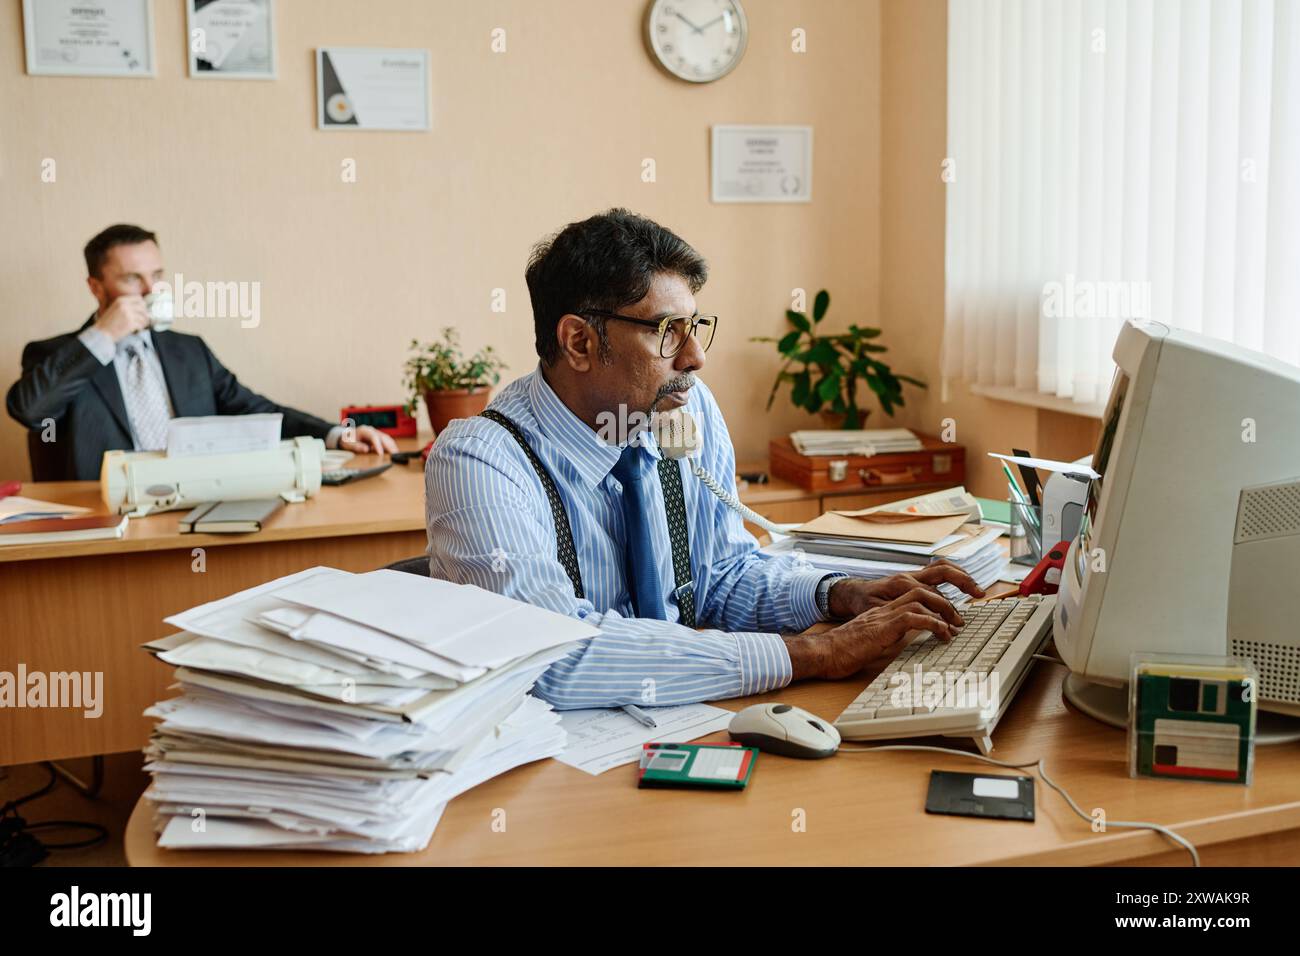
[230,517]
[50,530]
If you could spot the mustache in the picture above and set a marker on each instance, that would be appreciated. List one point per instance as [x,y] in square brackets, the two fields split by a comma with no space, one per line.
[679,384]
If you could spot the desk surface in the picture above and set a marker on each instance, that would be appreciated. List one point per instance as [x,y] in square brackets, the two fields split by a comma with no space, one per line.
[393,501]
[858,809]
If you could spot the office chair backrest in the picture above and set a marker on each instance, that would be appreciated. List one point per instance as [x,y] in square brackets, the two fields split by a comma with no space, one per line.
[44,459]
[419,565]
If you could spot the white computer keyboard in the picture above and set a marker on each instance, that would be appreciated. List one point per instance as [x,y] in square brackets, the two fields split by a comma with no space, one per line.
[957,689]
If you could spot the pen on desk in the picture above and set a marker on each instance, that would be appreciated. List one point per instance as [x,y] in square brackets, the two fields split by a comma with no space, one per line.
[639,715]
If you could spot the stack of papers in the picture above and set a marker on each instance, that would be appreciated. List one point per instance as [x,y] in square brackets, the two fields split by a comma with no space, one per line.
[17,508]
[972,548]
[337,711]
[867,441]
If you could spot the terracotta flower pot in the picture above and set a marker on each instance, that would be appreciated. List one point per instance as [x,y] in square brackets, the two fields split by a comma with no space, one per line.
[835,420]
[443,407]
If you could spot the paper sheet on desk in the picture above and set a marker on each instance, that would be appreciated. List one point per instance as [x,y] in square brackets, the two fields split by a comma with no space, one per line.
[18,508]
[223,434]
[600,740]
[1047,464]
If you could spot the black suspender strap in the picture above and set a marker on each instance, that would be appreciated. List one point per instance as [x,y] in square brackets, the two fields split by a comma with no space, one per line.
[564,548]
[670,478]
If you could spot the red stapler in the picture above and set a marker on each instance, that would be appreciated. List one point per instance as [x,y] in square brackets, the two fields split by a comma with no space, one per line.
[1046,576]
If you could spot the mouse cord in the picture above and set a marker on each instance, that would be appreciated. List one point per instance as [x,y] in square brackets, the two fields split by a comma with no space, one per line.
[1042,772]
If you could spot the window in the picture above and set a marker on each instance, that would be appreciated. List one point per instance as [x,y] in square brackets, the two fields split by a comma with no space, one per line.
[1110,159]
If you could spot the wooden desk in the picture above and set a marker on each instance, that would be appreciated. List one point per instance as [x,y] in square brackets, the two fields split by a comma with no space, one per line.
[858,809]
[88,606]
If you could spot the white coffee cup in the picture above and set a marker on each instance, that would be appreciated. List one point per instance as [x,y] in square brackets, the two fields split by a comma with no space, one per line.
[162,310]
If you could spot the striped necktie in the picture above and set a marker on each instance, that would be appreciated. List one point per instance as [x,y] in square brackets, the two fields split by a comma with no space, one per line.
[146,402]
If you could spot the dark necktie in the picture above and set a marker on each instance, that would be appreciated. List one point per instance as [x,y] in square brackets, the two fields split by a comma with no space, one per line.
[632,470]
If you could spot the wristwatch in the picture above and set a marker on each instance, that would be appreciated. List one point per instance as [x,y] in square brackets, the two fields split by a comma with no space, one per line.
[824,594]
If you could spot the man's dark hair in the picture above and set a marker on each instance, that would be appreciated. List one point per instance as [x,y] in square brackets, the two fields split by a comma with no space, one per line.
[606,262]
[119,235]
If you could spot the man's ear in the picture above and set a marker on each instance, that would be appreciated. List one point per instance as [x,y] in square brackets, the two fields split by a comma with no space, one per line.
[578,342]
[96,289]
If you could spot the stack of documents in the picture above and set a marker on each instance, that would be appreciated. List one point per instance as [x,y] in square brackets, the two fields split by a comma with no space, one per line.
[14,508]
[899,537]
[868,441]
[337,711]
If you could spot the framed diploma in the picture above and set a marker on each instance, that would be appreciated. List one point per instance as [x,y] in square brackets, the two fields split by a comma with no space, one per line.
[231,39]
[373,89]
[762,163]
[80,38]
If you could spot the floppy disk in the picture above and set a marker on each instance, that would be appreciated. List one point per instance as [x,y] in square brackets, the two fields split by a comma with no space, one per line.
[980,795]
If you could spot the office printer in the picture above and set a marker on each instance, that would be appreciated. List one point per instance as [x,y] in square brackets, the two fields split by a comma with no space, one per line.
[141,482]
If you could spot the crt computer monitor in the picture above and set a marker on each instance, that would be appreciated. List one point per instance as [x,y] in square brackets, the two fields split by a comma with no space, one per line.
[1190,539]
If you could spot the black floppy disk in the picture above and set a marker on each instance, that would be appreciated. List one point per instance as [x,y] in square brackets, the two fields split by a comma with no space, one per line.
[981,795]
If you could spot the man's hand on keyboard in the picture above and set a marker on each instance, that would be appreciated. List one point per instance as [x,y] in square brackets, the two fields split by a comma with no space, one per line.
[849,597]
[872,637]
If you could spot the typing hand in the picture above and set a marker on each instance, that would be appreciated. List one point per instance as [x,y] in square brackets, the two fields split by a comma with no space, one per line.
[873,637]
[367,440]
[125,315]
[851,596]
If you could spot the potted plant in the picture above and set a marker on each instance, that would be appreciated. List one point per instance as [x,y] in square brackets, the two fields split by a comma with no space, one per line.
[450,385]
[829,368]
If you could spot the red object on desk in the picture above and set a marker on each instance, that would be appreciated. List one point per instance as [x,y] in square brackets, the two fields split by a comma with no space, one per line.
[389,419]
[10,488]
[1041,580]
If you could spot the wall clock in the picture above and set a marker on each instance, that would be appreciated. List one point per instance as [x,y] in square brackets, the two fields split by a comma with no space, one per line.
[696,40]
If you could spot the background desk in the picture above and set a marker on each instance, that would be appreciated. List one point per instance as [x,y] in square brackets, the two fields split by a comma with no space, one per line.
[89,605]
[859,809]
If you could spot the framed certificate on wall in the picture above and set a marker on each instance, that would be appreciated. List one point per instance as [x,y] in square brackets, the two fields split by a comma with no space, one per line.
[79,38]
[373,89]
[231,39]
[762,163]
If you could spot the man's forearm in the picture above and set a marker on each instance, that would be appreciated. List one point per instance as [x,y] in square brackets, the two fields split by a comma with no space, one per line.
[46,387]
[807,653]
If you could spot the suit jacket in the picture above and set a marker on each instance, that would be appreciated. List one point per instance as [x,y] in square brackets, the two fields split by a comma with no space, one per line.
[62,380]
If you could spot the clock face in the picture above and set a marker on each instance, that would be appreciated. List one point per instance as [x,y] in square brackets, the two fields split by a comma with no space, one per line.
[697,40]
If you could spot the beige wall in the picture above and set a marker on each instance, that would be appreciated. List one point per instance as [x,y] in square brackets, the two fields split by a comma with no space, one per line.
[242,187]
[913,139]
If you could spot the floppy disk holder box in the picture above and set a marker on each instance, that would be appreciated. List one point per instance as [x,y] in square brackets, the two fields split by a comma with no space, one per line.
[1192,717]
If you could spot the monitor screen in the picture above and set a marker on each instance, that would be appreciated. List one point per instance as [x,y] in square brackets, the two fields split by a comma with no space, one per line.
[1100,459]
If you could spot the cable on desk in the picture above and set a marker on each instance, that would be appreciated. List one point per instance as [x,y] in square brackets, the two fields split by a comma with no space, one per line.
[1038,765]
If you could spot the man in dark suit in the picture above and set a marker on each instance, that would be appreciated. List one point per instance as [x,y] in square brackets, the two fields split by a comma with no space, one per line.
[115,382]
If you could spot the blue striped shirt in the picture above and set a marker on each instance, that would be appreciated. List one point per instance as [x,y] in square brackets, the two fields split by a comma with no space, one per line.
[490,524]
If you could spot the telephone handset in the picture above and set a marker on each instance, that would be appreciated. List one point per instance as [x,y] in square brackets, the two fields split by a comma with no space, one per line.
[679,437]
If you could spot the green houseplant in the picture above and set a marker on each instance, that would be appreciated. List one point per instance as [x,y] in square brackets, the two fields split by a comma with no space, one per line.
[450,385]
[824,370]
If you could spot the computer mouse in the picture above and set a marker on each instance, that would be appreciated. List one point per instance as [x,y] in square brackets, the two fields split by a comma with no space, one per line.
[785,730]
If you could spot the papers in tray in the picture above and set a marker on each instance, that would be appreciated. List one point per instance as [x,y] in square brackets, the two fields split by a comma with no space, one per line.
[867,441]
[345,730]
[975,550]
[876,525]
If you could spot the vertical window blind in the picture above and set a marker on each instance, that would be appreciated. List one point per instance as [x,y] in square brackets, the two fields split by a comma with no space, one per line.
[1115,159]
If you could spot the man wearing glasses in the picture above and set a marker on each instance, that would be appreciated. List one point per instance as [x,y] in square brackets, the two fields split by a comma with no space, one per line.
[538,500]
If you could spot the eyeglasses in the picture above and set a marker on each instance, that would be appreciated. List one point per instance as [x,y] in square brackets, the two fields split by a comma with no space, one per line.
[673,330]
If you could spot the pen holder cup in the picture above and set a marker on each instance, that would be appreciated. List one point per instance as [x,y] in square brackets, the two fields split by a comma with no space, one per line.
[1026,533]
